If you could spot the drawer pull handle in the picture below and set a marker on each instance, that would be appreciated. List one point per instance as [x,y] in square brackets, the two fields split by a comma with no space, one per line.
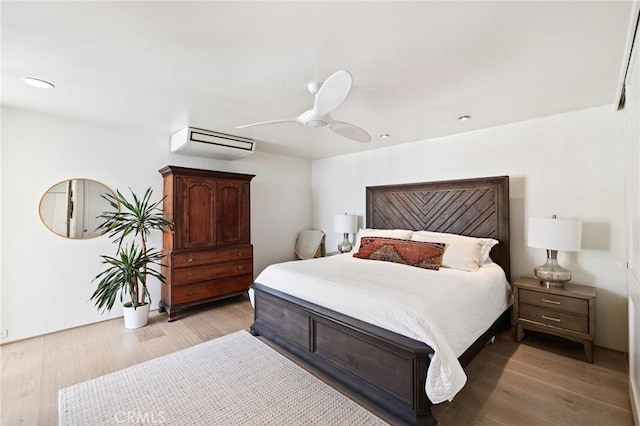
[239,254]
[551,318]
[190,259]
[239,268]
[554,302]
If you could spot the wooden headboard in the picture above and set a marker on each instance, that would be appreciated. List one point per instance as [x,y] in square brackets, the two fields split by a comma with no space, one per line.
[474,207]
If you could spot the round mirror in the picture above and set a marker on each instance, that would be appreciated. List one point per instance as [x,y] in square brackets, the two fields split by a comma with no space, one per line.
[69,208]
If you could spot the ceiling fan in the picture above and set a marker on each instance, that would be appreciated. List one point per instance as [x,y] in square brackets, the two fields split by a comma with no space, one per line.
[328,96]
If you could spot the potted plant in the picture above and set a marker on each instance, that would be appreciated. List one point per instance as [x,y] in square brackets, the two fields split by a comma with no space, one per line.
[129,225]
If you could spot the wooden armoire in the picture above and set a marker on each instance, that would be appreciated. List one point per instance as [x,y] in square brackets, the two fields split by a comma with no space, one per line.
[209,254]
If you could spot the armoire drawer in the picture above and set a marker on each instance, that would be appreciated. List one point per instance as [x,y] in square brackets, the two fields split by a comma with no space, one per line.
[180,276]
[206,257]
[210,289]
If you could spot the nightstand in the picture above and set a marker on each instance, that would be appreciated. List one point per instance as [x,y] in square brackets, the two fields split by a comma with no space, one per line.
[568,311]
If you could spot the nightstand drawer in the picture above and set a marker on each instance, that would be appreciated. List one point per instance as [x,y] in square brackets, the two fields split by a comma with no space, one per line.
[554,318]
[553,301]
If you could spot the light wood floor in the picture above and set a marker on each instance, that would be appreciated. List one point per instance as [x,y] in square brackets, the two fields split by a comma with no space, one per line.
[538,382]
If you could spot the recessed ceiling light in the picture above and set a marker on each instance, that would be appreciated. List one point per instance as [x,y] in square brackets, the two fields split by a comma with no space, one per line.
[384,135]
[464,117]
[36,82]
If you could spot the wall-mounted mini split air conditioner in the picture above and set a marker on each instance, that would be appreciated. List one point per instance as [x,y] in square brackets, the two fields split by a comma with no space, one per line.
[206,143]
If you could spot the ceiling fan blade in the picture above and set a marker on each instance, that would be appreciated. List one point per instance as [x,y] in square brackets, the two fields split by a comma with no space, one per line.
[349,131]
[262,123]
[333,92]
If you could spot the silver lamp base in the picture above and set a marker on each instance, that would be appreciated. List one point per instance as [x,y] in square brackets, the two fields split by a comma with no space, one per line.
[345,245]
[551,274]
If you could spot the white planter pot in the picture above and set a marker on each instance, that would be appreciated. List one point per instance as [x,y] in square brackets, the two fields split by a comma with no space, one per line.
[136,318]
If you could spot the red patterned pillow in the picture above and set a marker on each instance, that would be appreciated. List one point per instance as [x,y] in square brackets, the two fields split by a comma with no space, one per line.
[415,253]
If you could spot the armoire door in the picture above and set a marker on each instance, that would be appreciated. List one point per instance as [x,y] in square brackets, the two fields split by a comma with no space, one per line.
[232,215]
[195,226]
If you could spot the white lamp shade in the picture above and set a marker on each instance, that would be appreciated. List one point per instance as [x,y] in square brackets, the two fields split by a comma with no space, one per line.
[345,223]
[555,234]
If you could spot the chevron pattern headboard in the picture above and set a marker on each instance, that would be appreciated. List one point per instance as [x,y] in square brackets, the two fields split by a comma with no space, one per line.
[474,207]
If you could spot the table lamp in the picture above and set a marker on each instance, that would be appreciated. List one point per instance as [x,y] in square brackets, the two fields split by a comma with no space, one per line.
[554,234]
[346,224]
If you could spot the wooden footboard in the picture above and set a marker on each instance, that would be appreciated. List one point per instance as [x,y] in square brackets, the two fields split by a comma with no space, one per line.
[387,369]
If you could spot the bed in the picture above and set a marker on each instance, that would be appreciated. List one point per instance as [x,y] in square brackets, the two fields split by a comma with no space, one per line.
[388,368]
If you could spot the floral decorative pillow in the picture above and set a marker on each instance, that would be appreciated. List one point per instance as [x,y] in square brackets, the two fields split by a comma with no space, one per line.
[414,253]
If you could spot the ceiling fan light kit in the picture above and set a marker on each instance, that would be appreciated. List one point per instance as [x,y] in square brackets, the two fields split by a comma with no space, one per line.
[328,96]
[316,123]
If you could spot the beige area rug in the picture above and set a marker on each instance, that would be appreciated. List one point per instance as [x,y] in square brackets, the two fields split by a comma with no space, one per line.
[233,380]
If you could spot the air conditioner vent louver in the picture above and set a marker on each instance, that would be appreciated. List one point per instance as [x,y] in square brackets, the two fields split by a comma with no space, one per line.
[207,143]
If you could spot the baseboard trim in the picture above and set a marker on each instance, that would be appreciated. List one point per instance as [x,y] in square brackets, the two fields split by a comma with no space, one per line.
[634,395]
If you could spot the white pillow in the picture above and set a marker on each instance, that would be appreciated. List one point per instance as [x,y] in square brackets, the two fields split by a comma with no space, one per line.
[401,234]
[462,252]
[487,245]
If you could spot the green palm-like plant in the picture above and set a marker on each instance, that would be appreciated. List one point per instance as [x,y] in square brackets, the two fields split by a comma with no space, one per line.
[128,270]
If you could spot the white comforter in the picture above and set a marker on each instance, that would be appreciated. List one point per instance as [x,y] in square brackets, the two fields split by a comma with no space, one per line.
[446,309]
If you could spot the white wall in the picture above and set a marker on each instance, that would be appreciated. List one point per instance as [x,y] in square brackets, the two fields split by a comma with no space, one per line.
[569,164]
[46,279]
[632,139]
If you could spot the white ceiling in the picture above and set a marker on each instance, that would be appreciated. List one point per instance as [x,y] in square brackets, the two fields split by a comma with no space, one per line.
[416,66]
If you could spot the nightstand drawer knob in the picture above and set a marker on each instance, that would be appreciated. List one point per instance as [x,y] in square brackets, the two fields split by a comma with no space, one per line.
[551,318]
[554,302]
